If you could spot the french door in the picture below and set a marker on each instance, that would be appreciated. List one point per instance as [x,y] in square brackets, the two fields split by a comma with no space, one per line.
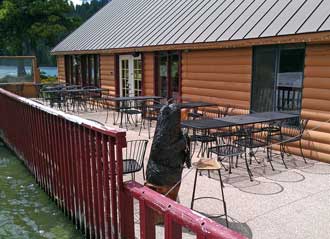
[130,72]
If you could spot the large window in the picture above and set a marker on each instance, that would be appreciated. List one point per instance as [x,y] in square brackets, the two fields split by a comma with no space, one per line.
[168,66]
[278,78]
[82,70]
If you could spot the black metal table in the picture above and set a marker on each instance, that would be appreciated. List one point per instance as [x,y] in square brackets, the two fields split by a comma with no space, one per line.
[124,107]
[195,104]
[135,98]
[205,124]
[275,116]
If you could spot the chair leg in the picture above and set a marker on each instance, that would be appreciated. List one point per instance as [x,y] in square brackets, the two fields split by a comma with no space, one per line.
[194,190]
[142,123]
[223,198]
[301,151]
[247,167]
[282,151]
[149,126]
[270,157]
[143,173]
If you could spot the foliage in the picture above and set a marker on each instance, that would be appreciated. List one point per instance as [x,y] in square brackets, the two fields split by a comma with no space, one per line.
[25,23]
[49,80]
[33,27]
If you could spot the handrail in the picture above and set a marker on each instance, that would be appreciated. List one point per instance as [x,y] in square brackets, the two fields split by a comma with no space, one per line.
[74,160]
[114,132]
[175,215]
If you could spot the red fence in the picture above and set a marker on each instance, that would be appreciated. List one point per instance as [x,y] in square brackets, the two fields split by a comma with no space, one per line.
[72,159]
[175,217]
[79,164]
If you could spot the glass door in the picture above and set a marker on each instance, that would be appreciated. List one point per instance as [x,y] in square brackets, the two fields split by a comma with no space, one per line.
[168,78]
[130,76]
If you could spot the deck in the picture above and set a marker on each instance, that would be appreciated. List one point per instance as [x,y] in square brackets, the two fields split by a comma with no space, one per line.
[284,203]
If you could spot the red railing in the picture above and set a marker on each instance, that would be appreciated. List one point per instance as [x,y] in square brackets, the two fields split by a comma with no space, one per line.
[175,216]
[73,160]
[79,164]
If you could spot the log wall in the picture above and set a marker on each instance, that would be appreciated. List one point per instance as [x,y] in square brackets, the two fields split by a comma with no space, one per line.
[60,68]
[148,73]
[218,76]
[107,73]
[316,103]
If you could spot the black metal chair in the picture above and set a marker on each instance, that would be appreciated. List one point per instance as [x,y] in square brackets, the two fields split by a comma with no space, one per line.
[252,139]
[289,134]
[133,157]
[151,112]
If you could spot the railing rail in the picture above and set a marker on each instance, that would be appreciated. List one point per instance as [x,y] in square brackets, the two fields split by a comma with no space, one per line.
[79,164]
[74,161]
[175,216]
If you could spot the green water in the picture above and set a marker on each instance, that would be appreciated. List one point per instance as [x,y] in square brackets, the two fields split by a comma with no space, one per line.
[25,210]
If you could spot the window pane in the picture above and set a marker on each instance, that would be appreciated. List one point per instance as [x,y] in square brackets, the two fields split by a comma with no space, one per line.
[175,74]
[290,79]
[163,69]
[263,79]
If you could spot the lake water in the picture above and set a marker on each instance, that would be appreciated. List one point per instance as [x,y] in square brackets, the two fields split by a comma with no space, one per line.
[12,70]
[25,210]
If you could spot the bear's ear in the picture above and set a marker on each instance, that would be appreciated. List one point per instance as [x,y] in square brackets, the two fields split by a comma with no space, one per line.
[174,107]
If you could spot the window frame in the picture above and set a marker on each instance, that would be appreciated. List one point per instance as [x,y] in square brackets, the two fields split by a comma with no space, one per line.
[277,56]
[168,54]
[81,74]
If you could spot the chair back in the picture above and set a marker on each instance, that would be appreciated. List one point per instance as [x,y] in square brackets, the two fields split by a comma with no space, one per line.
[295,130]
[135,150]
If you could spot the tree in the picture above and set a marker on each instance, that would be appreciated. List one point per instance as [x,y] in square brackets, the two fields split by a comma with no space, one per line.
[27,24]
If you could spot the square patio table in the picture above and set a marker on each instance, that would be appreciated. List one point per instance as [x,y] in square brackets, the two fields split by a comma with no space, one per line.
[195,104]
[136,98]
[205,124]
[239,120]
[275,116]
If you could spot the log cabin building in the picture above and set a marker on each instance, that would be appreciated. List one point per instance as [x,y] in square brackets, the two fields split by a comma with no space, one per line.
[266,55]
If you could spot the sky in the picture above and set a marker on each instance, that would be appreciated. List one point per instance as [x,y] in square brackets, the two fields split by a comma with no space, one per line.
[75,2]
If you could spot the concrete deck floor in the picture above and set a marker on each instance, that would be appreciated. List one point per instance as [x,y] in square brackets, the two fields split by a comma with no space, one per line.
[285,203]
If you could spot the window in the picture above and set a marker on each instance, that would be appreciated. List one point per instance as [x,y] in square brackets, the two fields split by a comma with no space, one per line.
[82,70]
[277,78]
[168,66]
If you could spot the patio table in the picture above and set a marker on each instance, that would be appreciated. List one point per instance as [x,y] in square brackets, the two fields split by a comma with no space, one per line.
[205,124]
[135,98]
[195,104]
[122,108]
[275,116]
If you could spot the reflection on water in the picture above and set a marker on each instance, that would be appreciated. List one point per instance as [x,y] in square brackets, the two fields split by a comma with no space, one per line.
[25,210]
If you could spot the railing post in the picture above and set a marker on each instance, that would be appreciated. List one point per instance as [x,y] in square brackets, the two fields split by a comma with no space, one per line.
[147,221]
[127,212]
[172,229]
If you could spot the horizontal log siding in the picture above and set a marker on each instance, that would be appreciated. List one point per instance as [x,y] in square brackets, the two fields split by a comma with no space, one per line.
[148,80]
[218,76]
[60,68]
[107,73]
[316,103]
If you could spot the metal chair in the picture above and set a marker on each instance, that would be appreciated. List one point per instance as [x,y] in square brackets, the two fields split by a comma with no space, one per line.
[289,134]
[150,113]
[253,138]
[133,157]
[209,165]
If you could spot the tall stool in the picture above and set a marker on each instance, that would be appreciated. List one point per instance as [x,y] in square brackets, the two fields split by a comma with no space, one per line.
[209,165]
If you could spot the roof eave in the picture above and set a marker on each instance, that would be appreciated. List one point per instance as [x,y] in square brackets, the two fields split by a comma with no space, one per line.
[316,37]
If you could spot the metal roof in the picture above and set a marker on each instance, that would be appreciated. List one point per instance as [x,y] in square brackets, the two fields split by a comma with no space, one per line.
[141,23]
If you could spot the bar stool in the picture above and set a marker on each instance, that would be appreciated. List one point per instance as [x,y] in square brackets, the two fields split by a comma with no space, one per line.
[209,165]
